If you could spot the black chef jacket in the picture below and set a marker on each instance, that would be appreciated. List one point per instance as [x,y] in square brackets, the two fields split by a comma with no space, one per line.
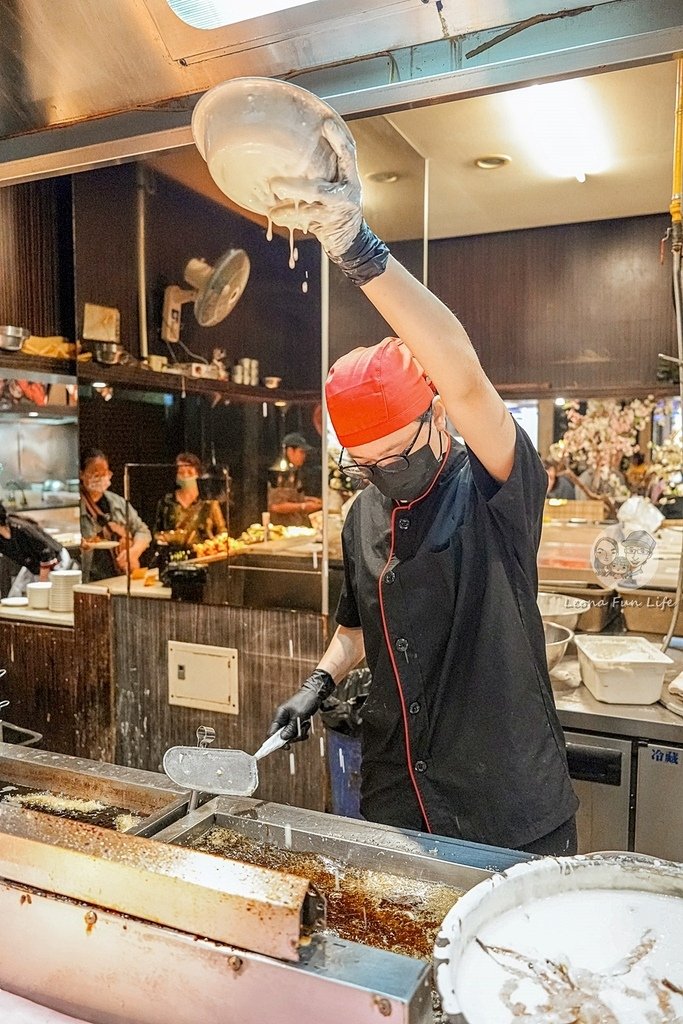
[460,735]
[26,543]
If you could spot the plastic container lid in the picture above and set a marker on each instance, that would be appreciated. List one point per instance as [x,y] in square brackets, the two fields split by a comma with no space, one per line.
[614,650]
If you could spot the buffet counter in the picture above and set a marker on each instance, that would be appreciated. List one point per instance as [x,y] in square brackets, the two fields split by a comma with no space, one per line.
[282,573]
[43,616]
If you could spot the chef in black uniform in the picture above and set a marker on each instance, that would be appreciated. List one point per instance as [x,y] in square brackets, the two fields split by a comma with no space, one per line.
[460,736]
[26,545]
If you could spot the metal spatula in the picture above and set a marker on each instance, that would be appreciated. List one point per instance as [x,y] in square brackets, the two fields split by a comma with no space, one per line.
[222,772]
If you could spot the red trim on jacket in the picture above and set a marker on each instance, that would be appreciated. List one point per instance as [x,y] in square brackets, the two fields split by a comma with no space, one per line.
[390,649]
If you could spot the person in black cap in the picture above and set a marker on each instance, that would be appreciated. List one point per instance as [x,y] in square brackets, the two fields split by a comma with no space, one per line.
[288,503]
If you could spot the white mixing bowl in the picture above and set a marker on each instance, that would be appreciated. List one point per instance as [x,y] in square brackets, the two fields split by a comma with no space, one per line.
[594,934]
[250,130]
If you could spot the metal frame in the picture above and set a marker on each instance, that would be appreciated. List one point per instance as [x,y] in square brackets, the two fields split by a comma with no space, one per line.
[96,779]
[133,972]
[608,36]
[359,844]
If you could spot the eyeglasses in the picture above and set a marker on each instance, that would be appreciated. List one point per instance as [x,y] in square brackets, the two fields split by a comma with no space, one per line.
[390,463]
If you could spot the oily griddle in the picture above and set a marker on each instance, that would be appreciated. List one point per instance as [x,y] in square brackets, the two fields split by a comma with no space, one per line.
[87,810]
[376,908]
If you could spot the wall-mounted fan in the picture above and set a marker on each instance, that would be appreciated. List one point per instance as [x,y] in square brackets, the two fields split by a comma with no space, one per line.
[215,291]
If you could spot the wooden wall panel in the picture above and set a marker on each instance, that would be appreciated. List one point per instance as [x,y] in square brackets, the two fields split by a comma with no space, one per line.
[575,307]
[354,321]
[104,246]
[41,682]
[94,717]
[59,680]
[274,321]
[36,283]
[277,650]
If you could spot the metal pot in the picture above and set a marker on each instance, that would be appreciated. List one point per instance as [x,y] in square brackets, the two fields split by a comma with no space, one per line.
[556,642]
[108,352]
[212,486]
[187,582]
[12,338]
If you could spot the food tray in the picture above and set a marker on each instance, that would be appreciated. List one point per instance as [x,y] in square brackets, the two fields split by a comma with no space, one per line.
[589,510]
[650,611]
[604,604]
[622,669]
[90,791]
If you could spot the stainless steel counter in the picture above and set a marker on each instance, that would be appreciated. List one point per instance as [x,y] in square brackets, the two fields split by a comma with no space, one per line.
[579,710]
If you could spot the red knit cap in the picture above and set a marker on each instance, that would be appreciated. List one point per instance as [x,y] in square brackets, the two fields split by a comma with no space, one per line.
[373,391]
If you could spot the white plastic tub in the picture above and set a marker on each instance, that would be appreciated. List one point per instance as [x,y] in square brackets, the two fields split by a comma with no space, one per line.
[622,669]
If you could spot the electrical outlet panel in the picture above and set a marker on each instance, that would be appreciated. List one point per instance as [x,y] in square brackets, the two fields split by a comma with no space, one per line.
[203,677]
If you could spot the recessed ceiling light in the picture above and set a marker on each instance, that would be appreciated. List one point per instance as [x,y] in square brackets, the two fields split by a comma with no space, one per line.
[492,161]
[99,384]
[384,177]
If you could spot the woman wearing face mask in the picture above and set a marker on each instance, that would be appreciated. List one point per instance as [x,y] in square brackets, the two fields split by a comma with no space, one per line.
[460,736]
[183,512]
[103,522]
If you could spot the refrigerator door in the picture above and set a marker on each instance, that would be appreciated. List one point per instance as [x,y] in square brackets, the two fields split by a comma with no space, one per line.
[659,801]
[600,769]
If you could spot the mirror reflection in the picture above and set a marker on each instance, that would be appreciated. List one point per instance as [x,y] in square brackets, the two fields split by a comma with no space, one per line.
[155,382]
[222,362]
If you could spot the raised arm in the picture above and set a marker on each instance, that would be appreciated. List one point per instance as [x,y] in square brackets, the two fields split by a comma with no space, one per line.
[433,334]
[441,345]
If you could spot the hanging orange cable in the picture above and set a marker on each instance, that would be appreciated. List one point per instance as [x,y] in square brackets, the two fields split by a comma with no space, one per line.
[677,187]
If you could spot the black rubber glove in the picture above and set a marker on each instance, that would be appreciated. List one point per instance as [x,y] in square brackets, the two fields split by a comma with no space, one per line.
[294,716]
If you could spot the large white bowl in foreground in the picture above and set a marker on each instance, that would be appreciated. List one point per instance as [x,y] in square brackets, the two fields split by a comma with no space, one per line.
[600,933]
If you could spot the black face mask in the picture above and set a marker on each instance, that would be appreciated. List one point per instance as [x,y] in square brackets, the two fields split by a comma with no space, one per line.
[412,481]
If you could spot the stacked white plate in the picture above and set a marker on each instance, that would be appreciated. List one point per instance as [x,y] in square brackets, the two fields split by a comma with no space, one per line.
[62,591]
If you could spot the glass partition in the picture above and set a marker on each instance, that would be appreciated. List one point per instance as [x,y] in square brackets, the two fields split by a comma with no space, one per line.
[394,177]
[510,279]
[181,404]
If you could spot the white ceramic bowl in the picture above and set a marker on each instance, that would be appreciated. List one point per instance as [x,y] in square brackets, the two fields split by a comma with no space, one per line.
[250,130]
[38,594]
[561,608]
